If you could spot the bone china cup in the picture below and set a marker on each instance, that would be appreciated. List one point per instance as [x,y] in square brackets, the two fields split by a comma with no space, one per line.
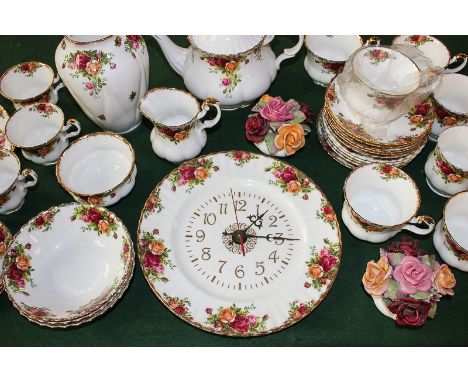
[30,82]
[446,167]
[39,130]
[14,183]
[380,201]
[450,238]
[98,168]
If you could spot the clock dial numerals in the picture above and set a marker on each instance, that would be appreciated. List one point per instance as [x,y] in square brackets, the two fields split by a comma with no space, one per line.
[273,257]
[239,271]
[200,234]
[206,254]
[240,205]
[273,220]
[260,268]
[223,263]
[209,218]
[223,208]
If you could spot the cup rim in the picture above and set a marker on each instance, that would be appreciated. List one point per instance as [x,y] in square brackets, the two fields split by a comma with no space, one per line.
[438,102]
[82,138]
[309,50]
[162,125]
[21,100]
[4,153]
[49,141]
[376,224]
[444,221]
[442,151]
[73,41]
[434,38]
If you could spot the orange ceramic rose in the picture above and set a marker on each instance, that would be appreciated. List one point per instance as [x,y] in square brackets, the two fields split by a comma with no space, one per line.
[290,138]
[376,277]
[444,280]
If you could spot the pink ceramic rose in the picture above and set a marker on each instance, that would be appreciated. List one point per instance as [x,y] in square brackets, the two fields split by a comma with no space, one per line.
[277,110]
[413,275]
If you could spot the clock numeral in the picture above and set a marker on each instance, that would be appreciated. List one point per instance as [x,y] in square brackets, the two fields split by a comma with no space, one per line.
[260,271]
[239,271]
[277,238]
[206,253]
[200,235]
[240,205]
[273,256]
[223,208]
[223,263]
[273,220]
[210,218]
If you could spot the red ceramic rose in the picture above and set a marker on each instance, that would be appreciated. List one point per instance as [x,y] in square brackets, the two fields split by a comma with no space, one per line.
[307,112]
[256,128]
[409,311]
[407,247]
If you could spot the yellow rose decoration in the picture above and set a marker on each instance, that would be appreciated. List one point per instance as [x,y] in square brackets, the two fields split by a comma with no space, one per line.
[444,280]
[227,315]
[290,138]
[376,277]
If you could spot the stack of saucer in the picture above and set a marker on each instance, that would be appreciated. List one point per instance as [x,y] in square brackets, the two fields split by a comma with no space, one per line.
[352,143]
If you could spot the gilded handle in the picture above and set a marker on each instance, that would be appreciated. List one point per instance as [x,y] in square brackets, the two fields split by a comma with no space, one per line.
[460,56]
[423,219]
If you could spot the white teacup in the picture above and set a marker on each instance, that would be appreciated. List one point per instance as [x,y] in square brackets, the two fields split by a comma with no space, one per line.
[451,103]
[14,183]
[380,201]
[326,55]
[30,82]
[39,130]
[178,133]
[450,236]
[446,167]
[98,168]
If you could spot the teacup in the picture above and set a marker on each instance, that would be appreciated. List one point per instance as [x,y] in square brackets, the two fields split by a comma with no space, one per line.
[446,167]
[39,130]
[433,49]
[178,133]
[14,183]
[380,201]
[97,168]
[451,103]
[5,144]
[30,82]
[450,238]
[326,55]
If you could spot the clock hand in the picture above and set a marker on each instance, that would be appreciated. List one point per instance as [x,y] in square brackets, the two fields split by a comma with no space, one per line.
[238,226]
[270,237]
[257,220]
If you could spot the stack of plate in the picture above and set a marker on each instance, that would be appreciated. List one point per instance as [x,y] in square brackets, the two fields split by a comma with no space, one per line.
[68,265]
[352,143]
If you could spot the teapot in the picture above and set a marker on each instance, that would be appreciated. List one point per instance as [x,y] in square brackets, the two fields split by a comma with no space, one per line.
[236,70]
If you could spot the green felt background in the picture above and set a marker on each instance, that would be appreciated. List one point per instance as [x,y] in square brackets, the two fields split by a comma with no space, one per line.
[347,315]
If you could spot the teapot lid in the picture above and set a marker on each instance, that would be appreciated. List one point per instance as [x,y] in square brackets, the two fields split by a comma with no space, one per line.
[225,44]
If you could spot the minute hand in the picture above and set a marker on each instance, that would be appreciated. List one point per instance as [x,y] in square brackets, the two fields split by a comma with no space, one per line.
[270,237]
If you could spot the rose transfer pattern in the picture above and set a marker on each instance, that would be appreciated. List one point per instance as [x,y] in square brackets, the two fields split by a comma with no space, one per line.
[154,255]
[241,157]
[235,320]
[322,267]
[96,219]
[192,173]
[44,221]
[45,109]
[448,172]
[290,180]
[389,172]
[27,68]
[17,268]
[418,40]
[376,56]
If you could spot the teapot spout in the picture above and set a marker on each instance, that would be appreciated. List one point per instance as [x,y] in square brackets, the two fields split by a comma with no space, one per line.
[175,54]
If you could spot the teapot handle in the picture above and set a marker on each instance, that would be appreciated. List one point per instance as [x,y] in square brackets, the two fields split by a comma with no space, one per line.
[427,220]
[460,56]
[290,52]
[205,107]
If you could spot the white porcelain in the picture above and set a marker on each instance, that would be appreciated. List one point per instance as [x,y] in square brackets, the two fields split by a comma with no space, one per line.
[380,201]
[5,238]
[451,103]
[66,263]
[39,130]
[98,168]
[446,167]
[450,238]
[5,144]
[30,82]
[107,76]
[14,183]
[433,49]
[326,55]
[236,70]
[178,133]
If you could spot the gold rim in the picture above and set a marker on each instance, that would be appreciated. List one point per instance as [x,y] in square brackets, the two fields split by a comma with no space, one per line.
[103,193]
[380,226]
[326,59]
[14,100]
[6,242]
[444,222]
[240,335]
[69,39]
[244,53]
[162,125]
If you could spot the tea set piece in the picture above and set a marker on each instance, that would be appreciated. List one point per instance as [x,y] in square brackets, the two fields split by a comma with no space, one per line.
[450,238]
[5,238]
[406,283]
[98,168]
[326,55]
[278,128]
[30,82]
[451,103]
[14,183]
[5,144]
[236,70]
[107,76]
[68,264]
[433,49]
[239,244]
[178,133]
[381,200]
[446,167]
[39,130]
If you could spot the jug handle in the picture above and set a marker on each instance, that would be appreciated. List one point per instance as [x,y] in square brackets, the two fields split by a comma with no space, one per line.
[427,220]
[289,52]
[204,109]
[463,57]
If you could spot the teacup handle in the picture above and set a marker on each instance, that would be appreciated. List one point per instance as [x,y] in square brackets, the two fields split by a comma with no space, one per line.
[58,87]
[289,52]
[27,172]
[464,59]
[72,122]
[373,41]
[419,220]
[204,109]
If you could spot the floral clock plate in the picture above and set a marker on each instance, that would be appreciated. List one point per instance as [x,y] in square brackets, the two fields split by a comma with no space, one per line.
[5,238]
[68,265]
[239,244]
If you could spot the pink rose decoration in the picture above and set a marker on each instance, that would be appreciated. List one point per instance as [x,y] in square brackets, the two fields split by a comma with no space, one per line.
[412,275]
[226,81]
[277,110]
[252,320]
[89,85]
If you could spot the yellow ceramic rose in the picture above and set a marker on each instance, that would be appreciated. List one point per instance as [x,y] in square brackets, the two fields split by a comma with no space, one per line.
[376,277]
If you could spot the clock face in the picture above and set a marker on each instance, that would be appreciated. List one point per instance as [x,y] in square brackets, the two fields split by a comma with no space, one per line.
[239,244]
